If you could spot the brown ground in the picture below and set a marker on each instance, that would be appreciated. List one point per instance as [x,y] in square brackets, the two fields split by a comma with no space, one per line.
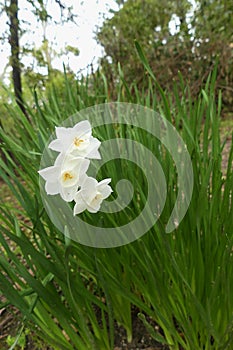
[10,323]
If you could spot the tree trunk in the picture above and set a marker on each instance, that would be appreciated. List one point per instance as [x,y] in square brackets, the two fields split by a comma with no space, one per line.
[15,62]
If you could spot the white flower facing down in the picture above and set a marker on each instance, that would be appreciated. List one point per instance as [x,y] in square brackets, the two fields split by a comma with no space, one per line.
[65,176]
[77,141]
[91,195]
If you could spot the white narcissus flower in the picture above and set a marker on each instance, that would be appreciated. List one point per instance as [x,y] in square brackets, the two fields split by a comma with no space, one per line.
[65,176]
[77,141]
[91,195]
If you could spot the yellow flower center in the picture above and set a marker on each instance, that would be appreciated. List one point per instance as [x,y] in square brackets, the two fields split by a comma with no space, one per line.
[77,141]
[67,176]
[96,198]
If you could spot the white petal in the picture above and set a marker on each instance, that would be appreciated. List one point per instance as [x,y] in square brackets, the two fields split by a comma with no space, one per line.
[62,132]
[59,160]
[65,136]
[103,183]
[56,145]
[73,172]
[50,173]
[90,182]
[83,166]
[88,196]
[68,178]
[82,179]
[52,188]
[63,139]
[88,189]
[69,162]
[93,210]
[77,196]
[68,193]
[94,154]
[106,191]
[92,151]
[81,147]
[79,207]
[94,206]
[82,128]
[103,188]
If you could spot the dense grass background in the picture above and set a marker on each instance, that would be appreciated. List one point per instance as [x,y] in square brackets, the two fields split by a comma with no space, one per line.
[72,295]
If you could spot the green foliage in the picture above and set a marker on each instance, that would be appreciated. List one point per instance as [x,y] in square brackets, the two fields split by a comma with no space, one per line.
[213,21]
[214,18]
[6,120]
[19,341]
[72,49]
[202,35]
[73,294]
[135,20]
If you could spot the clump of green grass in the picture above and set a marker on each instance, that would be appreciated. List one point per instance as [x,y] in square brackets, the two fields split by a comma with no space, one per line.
[73,294]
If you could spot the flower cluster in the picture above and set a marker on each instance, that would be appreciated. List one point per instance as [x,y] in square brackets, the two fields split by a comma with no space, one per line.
[68,177]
